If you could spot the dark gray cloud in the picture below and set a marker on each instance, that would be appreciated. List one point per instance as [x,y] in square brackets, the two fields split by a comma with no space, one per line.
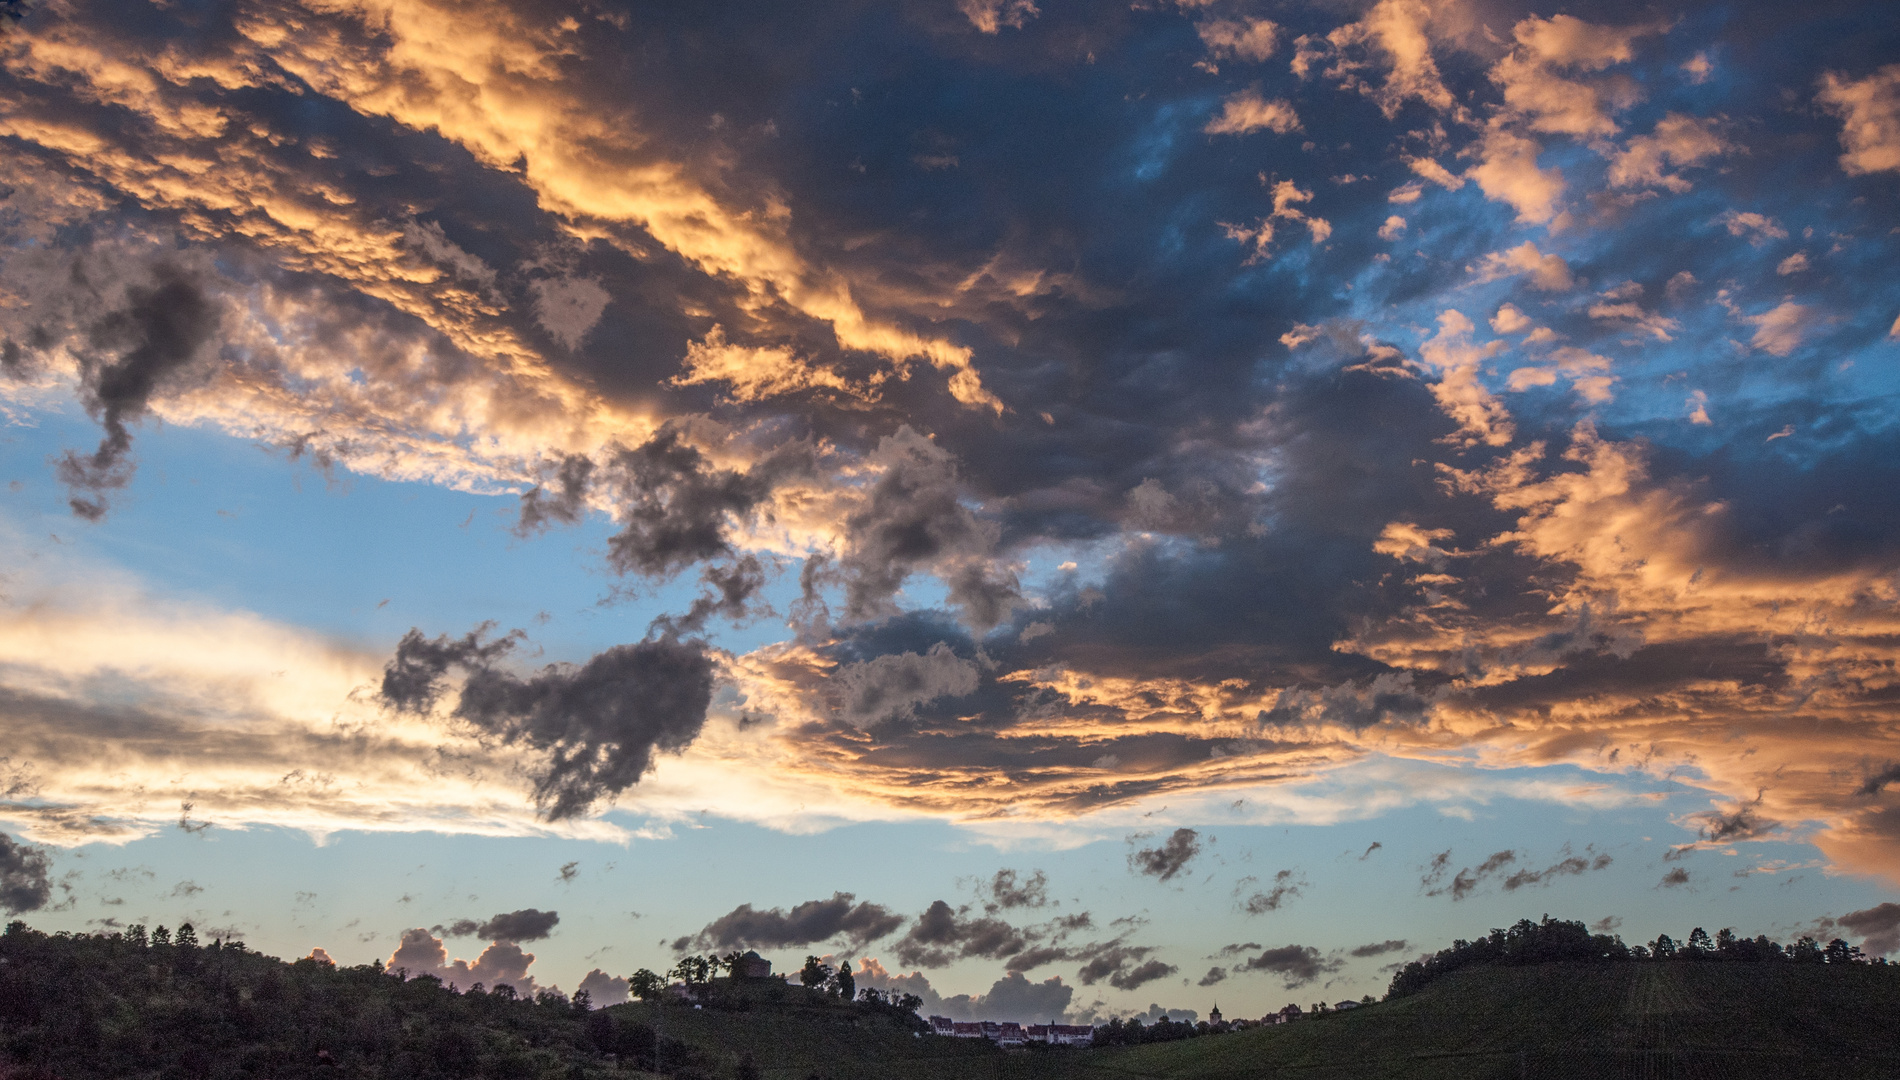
[1296,964]
[1214,975]
[1674,878]
[674,506]
[893,684]
[1745,822]
[1877,781]
[1283,890]
[915,520]
[1380,948]
[943,935]
[1370,848]
[1125,967]
[528,924]
[1170,858]
[1570,866]
[1009,889]
[160,331]
[1879,926]
[24,882]
[1467,880]
[841,917]
[1141,974]
[559,500]
[597,725]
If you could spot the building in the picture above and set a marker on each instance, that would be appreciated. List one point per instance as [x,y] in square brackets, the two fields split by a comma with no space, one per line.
[1013,1034]
[1061,1034]
[1344,1005]
[1213,1018]
[752,966]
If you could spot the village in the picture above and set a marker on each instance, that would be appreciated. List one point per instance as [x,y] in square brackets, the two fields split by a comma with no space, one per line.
[694,974]
[1012,1033]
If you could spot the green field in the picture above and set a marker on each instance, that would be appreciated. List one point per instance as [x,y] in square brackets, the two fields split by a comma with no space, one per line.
[1638,1020]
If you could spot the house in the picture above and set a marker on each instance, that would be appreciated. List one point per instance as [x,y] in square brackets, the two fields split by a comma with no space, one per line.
[1013,1034]
[1213,1018]
[752,966]
[1344,1005]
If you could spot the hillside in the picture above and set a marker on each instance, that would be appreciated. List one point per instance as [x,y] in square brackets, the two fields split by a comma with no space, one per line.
[1727,1020]
[77,1007]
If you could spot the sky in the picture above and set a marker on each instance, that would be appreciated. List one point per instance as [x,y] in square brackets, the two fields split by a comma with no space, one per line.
[1079,509]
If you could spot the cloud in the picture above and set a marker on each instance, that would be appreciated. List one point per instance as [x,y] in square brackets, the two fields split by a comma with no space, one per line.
[1247,111]
[1170,858]
[602,989]
[1214,975]
[842,917]
[501,964]
[1879,926]
[1507,171]
[943,935]
[1008,889]
[1674,878]
[1467,880]
[1547,271]
[158,333]
[1141,975]
[1676,140]
[1481,417]
[1380,948]
[1568,867]
[990,16]
[1244,38]
[528,924]
[893,684]
[1125,967]
[1284,889]
[1778,331]
[1296,964]
[598,725]
[24,884]
[1393,228]
[1869,109]
[1392,36]
[1012,997]
[913,519]
[1759,228]
[1877,781]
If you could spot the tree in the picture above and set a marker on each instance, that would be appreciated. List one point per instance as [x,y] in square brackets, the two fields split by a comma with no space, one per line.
[1699,946]
[1664,947]
[847,986]
[815,973]
[645,985]
[187,937]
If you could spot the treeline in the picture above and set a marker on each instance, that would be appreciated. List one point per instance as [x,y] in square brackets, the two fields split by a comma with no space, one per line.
[1118,1032]
[694,978]
[1554,940]
[99,1006]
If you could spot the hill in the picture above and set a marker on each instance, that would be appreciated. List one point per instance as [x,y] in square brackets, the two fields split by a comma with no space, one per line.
[79,1007]
[1561,1020]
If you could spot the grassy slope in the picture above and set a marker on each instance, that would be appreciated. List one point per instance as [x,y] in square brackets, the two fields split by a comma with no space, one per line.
[791,1035]
[1779,1021]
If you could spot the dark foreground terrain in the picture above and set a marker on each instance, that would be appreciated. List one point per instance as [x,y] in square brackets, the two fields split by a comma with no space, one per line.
[82,1007]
